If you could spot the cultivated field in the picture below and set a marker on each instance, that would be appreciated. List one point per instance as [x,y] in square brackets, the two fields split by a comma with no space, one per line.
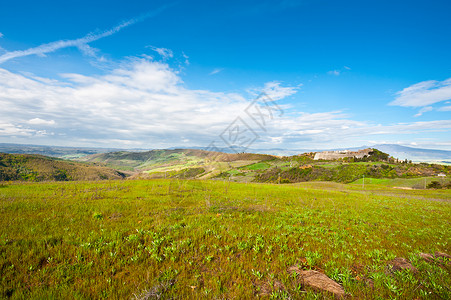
[218,239]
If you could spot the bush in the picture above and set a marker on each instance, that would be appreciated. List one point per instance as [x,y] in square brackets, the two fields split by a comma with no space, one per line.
[434,185]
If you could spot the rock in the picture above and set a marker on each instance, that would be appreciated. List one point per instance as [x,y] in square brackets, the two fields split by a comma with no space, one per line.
[400,264]
[318,281]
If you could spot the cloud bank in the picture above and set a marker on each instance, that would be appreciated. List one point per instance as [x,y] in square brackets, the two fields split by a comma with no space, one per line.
[144,103]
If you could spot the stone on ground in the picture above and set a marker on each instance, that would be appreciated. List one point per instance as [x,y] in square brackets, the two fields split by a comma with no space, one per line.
[318,281]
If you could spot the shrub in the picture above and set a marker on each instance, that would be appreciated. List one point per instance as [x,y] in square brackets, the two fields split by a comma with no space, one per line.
[434,185]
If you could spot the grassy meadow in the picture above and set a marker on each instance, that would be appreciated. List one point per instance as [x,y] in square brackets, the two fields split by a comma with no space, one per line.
[183,239]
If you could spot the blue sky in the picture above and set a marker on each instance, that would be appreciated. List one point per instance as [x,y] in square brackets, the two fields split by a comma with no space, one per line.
[156,74]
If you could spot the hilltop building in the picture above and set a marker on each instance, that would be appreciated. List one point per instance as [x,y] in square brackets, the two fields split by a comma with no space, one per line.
[342,154]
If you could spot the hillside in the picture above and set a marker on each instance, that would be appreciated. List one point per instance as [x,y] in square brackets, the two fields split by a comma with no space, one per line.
[347,172]
[28,167]
[248,167]
[161,163]
[346,169]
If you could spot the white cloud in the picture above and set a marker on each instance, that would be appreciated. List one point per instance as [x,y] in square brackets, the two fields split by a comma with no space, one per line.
[339,72]
[1,35]
[311,131]
[424,93]
[216,71]
[445,108]
[186,57]
[423,110]
[164,52]
[81,43]
[275,91]
[334,72]
[11,130]
[38,121]
[145,103]
[88,50]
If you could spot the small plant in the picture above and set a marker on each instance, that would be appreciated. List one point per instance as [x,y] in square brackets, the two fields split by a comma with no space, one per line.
[312,258]
[257,274]
[168,275]
[97,216]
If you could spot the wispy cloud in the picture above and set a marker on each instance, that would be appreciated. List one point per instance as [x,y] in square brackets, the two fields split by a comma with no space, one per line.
[334,72]
[81,43]
[1,35]
[275,90]
[423,110]
[216,71]
[164,52]
[338,72]
[445,108]
[186,57]
[424,93]
[38,121]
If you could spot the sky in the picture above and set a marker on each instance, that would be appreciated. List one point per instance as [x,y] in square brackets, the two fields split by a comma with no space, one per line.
[306,74]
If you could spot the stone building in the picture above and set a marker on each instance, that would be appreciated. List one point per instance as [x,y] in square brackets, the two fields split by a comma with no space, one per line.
[330,155]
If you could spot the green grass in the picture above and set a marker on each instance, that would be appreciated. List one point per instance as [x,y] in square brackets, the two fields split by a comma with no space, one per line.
[217,239]
[258,166]
[418,183]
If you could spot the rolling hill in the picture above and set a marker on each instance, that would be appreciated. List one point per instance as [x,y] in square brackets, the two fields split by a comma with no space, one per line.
[248,167]
[30,167]
[162,163]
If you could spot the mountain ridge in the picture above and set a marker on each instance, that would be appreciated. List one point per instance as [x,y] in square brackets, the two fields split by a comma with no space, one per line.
[395,150]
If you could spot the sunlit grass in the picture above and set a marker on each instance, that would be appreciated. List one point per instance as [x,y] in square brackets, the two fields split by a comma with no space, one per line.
[207,239]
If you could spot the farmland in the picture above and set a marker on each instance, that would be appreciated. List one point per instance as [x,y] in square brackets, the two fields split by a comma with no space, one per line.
[219,239]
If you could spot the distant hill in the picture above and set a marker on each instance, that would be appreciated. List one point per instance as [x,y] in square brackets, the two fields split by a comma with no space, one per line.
[396,151]
[53,151]
[415,154]
[32,167]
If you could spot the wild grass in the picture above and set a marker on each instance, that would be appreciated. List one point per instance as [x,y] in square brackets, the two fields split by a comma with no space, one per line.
[217,239]
[418,183]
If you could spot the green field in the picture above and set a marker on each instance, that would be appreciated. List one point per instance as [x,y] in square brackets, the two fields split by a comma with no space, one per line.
[415,183]
[217,239]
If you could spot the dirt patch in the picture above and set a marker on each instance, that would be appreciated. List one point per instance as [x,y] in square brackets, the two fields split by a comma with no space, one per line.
[400,264]
[438,257]
[268,287]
